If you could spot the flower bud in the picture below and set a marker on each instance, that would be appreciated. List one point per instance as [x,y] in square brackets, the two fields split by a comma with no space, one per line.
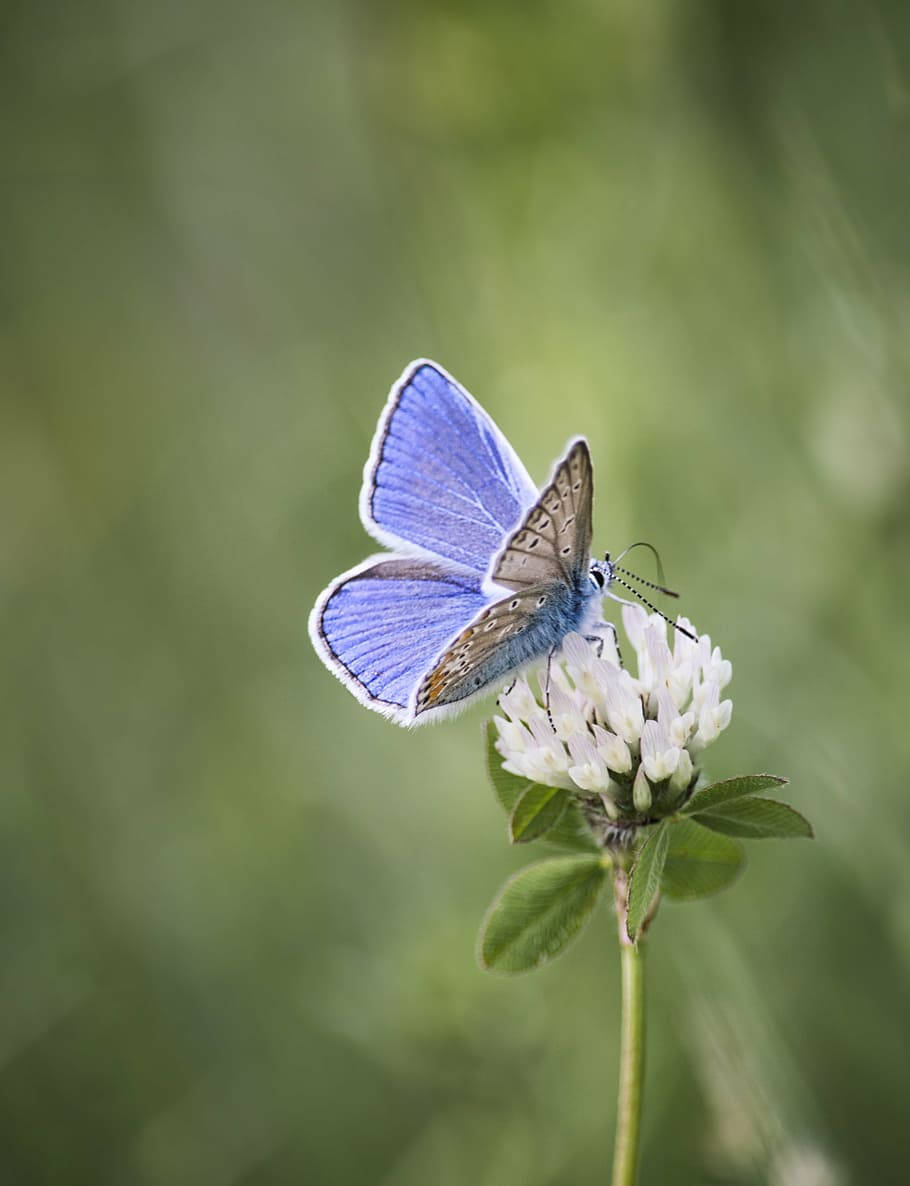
[610,806]
[682,775]
[641,791]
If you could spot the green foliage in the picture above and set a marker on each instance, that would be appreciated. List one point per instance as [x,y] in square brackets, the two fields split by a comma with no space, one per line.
[539,911]
[538,810]
[731,788]
[568,831]
[227,227]
[756,819]
[572,833]
[692,855]
[699,862]
[645,878]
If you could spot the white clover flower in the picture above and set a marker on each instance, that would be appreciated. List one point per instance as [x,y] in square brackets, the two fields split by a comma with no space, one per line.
[622,703]
[589,772]
[518,703]
[614,751]
[542,756]
[713,717]
[631,741]
[659,757]
[682,775]
[567,713]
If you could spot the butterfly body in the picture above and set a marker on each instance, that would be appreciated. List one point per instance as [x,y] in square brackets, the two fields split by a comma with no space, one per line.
[487,574]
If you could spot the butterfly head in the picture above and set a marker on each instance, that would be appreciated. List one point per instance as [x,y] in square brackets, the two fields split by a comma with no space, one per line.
[603,573]
[600,573]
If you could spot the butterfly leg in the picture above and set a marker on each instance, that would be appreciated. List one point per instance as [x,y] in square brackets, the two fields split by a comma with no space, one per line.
[593,638]
[505,692]
[546,690]
[597,642]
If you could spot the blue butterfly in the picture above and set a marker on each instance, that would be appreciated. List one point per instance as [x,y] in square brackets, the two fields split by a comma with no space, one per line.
[486,574]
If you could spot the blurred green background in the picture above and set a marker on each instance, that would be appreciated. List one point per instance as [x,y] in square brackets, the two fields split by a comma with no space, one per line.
[238,911]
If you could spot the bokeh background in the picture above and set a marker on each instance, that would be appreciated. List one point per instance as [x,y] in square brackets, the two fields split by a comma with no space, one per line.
[238,911]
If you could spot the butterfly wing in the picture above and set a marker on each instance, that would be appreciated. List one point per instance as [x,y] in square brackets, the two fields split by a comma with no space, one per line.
[553,541]
[441,476]
[545,562]
[501,638]
[381,625]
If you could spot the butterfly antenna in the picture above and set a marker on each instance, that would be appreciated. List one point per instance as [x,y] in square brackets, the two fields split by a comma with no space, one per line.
[642,543]
[652,608]
[650,584]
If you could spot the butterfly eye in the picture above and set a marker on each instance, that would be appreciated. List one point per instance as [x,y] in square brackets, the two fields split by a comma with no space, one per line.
[597,577]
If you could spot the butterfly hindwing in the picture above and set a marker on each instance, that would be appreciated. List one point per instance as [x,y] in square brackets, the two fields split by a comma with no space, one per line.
[500,639]
[553,541]
[380,626]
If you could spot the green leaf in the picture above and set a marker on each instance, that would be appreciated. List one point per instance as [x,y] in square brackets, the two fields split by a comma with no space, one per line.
[571,832]
[508,787]
[539,911]
[699,862]
[538,809]
[730,788]
[757,819]
[644,879]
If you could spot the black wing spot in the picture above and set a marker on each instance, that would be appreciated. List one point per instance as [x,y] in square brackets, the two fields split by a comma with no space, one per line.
[534,542]
[514,604]
[566,550]
[541,601]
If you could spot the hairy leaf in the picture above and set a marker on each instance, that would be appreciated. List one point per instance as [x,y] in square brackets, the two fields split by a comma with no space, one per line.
[538,810]
[756,819]
[571,832]
[539,911]
[731,788]
[645,877]
[699,862]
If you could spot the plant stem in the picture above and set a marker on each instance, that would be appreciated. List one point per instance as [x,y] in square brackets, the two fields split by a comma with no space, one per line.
[631,1060]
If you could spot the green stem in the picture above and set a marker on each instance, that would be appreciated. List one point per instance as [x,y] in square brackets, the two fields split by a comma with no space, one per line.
[631,1062]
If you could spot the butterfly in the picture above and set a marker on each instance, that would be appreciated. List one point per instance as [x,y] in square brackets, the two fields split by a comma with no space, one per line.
[486,574]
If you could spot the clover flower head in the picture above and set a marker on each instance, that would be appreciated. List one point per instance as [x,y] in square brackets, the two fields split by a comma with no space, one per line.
[631,742]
